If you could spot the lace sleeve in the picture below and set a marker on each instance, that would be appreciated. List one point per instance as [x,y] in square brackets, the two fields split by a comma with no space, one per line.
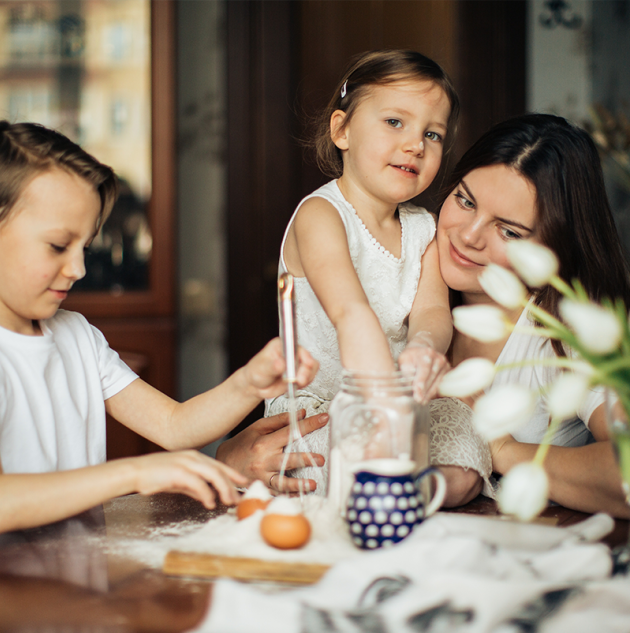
[454,441]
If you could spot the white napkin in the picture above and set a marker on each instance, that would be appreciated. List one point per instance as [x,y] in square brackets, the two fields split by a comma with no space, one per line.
[455,573]
[515,535]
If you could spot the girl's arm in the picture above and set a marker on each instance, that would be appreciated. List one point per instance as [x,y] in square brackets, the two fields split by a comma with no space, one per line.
[210,415]
[584,478]
[430,329]
[29,500]
[321,246]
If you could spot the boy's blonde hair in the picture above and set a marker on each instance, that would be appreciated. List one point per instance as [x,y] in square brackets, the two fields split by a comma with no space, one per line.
[376,68]
[29,149]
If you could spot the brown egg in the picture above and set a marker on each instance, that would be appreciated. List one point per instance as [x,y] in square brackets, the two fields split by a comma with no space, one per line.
[247,507]
[285,531]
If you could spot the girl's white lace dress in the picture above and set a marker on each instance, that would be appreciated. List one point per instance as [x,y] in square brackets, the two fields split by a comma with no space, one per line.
[390,284]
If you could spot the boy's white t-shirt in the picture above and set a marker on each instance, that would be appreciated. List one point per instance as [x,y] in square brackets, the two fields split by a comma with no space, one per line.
[52,395]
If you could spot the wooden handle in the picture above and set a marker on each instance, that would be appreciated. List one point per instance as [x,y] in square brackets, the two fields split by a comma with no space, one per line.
[213,566]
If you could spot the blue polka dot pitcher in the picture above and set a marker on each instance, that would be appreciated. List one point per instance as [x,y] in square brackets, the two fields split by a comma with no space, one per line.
[387,501]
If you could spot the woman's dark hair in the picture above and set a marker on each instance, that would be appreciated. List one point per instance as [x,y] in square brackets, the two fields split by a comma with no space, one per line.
[376,68]
[29,149]
[574,218]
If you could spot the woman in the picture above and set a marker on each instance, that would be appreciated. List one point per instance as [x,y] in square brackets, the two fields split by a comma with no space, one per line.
[533,177]
[536,177]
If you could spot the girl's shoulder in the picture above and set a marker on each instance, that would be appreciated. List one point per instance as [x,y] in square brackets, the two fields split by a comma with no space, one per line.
[330,192]
[327,201]
[416,213]
[418,225]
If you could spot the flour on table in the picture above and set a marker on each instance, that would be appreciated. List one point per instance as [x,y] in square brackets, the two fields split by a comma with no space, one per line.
[226,536]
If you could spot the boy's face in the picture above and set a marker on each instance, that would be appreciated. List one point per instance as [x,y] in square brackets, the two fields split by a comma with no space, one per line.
[42,247]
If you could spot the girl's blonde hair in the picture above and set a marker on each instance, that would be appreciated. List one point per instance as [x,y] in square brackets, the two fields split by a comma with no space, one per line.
[29,149]
[376,68]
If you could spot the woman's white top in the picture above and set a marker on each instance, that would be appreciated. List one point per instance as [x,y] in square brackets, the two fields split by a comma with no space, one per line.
[52,395]
[455,441]
[390,284]
[521,347]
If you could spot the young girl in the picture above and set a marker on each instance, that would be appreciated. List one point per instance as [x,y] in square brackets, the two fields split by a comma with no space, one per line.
[367,276]
[58,376]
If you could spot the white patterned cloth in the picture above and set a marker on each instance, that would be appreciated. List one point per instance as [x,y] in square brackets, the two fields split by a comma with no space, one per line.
[456,573]
[390,284]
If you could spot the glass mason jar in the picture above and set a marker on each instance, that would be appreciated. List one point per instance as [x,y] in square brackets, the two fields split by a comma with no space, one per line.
[374,416]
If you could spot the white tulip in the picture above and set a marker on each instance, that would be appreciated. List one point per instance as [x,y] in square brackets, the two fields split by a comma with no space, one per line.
[584,369]
[524,491]
[503,410]
[535,264]
[597,328]
[482,322]
[469,377]
[566,395]
[503,286]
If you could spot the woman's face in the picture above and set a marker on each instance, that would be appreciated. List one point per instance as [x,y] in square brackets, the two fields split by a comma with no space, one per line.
[490,207]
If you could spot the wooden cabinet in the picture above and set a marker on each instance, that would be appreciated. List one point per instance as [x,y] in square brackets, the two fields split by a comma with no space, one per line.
[141,324]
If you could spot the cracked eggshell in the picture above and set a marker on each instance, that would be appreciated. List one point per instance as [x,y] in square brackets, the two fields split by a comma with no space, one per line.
[284,526]
[256,498]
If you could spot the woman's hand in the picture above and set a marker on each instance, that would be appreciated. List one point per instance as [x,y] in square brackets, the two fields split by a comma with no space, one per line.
[462,485]
[264,371]
[189,473]
[258,451]
[426,364]
[499,450]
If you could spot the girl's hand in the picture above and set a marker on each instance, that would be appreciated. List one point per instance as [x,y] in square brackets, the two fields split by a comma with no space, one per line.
[189,473]
[258,451]
[263,373]
[426,364]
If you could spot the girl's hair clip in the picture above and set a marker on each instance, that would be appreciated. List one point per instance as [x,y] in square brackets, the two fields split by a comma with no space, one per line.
[344,89]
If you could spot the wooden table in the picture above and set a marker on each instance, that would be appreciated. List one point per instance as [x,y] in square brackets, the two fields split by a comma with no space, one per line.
[71,575]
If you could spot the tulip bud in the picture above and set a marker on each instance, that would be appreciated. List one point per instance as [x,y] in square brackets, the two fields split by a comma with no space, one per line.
[584,369]
[524,491]
[469,377]
[566,395]
[503,410]
[503,286]
[534,263]
[482,322]
[597,328]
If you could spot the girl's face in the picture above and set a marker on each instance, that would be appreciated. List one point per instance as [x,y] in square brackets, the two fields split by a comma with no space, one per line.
[42,247]
[490,207]
[392,146]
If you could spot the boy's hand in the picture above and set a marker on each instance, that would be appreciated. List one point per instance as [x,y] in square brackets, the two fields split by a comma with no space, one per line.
[189,473]
[263,373]
[427,366]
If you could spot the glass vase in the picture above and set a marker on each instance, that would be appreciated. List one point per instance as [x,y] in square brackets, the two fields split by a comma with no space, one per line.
[374,416]
[618,422]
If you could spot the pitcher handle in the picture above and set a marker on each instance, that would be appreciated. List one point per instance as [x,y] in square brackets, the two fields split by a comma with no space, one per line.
[440,490]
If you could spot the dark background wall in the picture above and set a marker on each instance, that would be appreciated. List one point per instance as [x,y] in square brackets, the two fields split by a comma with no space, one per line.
[283,60]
